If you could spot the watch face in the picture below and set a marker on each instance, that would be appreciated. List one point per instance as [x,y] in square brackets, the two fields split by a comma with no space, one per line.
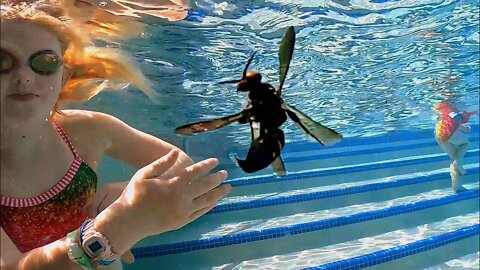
[95,246]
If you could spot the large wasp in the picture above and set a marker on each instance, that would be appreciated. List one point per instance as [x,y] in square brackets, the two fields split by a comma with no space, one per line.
[266,112]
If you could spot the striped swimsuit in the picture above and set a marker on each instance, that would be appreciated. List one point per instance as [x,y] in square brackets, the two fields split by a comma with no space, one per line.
[449,124]
[38,221]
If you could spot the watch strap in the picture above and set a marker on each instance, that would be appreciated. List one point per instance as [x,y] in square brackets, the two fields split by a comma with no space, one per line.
[108,255]
[76,253]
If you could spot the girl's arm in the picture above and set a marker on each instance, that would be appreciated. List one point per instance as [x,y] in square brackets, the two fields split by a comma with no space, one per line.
[151,204]
[51,256]
[135,147]
[104,134]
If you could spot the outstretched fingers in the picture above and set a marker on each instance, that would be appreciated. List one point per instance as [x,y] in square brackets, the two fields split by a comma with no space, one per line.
[207,183]
[201,212]
[209,198]
[196,171]
[161,165]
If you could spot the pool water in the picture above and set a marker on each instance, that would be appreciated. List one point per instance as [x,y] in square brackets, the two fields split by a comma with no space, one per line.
[362,68]
[373,71]
[390,210]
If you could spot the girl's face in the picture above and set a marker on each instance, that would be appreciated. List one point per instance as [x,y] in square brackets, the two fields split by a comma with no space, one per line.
[31,76]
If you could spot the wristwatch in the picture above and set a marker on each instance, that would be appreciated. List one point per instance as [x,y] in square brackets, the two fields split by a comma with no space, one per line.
[76,252]
[95,244]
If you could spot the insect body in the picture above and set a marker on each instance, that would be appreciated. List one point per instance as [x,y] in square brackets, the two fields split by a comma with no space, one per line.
[266,112]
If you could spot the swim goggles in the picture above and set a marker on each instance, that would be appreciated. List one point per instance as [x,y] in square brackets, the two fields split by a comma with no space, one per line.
[44,62]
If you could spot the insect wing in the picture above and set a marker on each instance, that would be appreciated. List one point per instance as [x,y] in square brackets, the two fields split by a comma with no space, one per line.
[210,125]
[285,53]
[324,135]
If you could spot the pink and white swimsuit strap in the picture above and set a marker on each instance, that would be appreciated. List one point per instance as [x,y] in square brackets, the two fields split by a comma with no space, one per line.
[66,139]
[52,192]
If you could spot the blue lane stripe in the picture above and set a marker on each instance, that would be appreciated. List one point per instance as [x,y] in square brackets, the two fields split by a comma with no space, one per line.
[363,151]
[395,253]
[353,152]
[399,136]
[271,233]
[346,143]
[265,202]
[253,180]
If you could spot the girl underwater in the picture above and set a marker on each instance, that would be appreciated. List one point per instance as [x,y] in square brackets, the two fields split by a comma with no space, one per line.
[52,216]
[452,134]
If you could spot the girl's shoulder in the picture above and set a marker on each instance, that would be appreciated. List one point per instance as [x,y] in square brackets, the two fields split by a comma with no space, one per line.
[93,128]
[87,130]
[83,120]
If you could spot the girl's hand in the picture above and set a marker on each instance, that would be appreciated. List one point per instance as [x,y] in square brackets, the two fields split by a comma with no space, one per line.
[108,194]
[153,204]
